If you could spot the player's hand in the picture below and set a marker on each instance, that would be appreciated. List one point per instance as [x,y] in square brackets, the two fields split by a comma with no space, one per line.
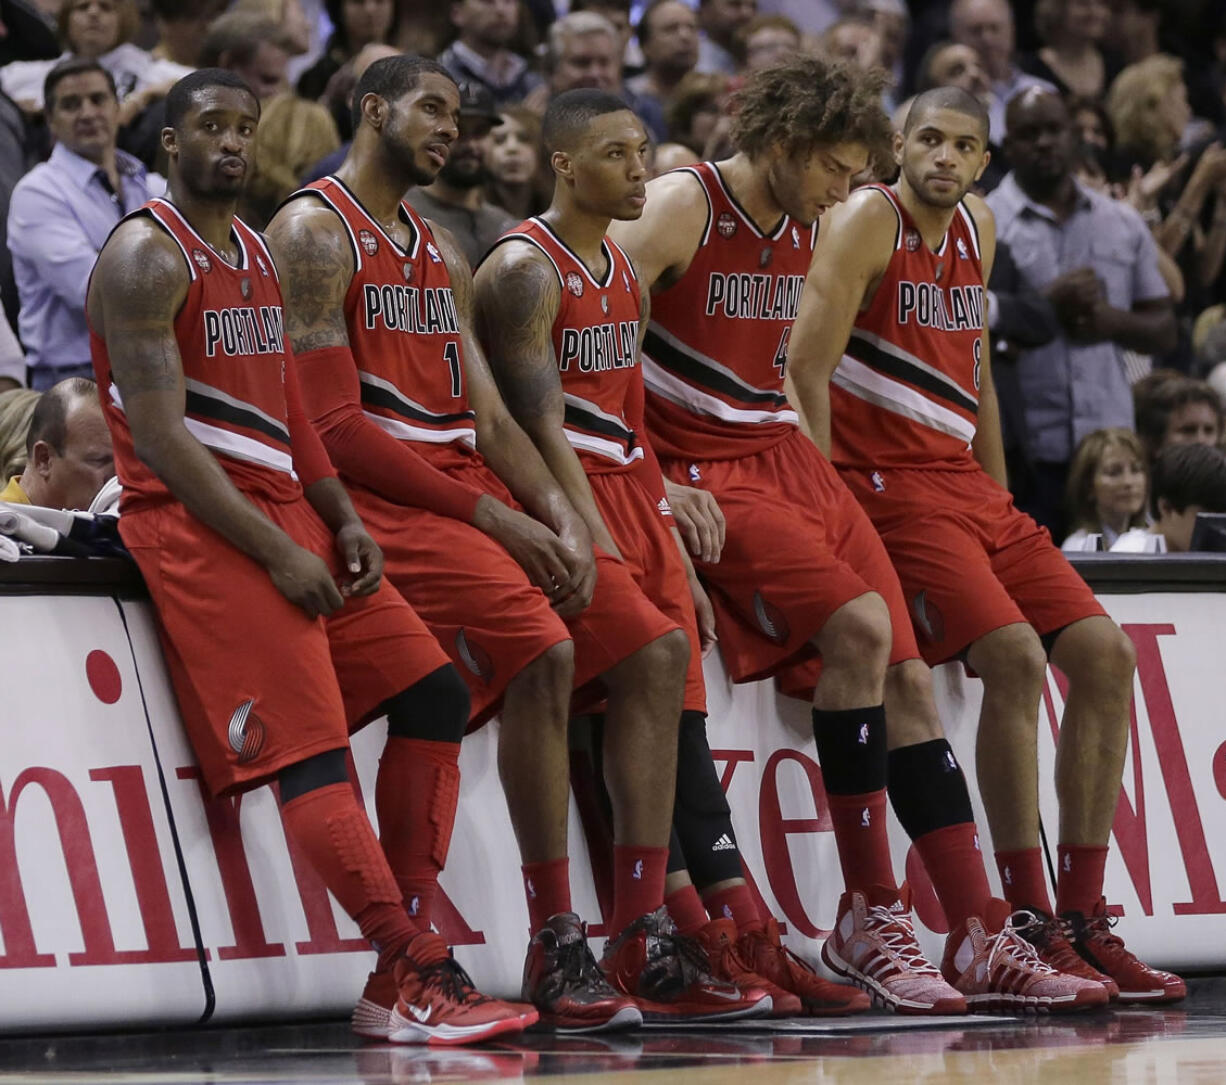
[539,552]
[573,597]
[706,617]
[362,558]
[699,519]
[305,580]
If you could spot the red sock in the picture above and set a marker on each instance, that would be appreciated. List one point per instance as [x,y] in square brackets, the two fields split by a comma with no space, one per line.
[734,902]
[955,864]
[638,883]
[416,794]
[1023,879]
[860,833]
[335,835]
[685,906]
[547,887]
[1079,878]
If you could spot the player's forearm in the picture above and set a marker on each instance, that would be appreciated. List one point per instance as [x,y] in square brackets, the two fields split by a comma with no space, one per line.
[515,460]
[988,446]
[331,501]
[564,465]
[810,395]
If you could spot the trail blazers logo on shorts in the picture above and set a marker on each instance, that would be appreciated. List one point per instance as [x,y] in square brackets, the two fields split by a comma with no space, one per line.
[246,733]
[770,619]
[473,656]
[928,618]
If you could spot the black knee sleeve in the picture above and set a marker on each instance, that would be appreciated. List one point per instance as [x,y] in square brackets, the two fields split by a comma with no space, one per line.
[321,770]
[434,709]
[851,747]
[927,788]
[701,817]
[676,854]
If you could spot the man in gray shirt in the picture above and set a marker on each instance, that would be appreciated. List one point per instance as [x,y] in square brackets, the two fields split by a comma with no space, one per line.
[456,199]
[1095,260]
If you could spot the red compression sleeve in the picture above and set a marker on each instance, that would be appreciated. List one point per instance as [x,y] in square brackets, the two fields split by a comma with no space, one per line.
[365,454]
[646,470]
[310,458]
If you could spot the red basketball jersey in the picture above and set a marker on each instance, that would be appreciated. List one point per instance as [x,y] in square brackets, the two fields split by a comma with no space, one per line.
[906,392]
[404,331]
[595,342]
[231,337]
[716,347]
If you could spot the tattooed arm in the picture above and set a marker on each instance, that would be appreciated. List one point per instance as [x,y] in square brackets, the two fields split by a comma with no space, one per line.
[516,295]
[511,454]
[136,292]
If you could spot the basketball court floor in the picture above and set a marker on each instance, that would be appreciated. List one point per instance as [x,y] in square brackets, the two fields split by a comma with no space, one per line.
[1185,1044]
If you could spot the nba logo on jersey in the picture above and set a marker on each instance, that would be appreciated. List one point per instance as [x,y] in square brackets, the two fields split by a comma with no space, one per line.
[604,303]
[795,238]
[245,287]
[435,255]
[626,280]
[912,240]
[962,254]
[202,260]
[878,481]
[370,243]
[408,272]
[259,262]
[574,284]
[726,225]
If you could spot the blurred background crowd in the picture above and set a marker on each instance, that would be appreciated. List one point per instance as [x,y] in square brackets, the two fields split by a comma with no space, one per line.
[1112,201]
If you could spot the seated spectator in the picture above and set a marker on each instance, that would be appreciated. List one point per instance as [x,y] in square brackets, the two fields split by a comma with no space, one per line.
[482,50]
[1093,124]
[1107,489]
[100,30]
[668,36]
[1187,480]
[518,182]
[181,29]
[617,12]
[719,48]
[767,40]
[254,47]
[697,110]
[288,15]
[16,407]
[1174,409]
[456,199]
[68,450]
[948,64]
[61,213]
[1071,55]
[356,23]
[853,39]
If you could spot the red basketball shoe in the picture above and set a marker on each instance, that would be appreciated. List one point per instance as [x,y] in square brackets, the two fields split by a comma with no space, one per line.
[719,939]
[762,949]
[1094,940]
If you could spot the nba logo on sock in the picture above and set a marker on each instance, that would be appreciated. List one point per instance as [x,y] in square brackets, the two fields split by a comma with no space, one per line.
[531,889]
[727,912]
[1008,875]
[414,905]
[638,869]
[1068,863]
[863,739]
[865,819]
[977,847]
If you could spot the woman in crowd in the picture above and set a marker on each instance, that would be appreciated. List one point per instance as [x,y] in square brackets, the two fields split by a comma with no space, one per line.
[518,178]
[1071,56]
[357,23]
[1107,487]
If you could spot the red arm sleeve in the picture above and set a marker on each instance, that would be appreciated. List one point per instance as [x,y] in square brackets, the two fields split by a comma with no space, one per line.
[311,461]
[647,470]
[365,454]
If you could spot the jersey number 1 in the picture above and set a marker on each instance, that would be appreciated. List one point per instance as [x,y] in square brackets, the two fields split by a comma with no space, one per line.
[451,352]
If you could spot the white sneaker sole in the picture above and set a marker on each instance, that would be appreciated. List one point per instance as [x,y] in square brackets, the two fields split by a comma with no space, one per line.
[401,1030]
[877,991]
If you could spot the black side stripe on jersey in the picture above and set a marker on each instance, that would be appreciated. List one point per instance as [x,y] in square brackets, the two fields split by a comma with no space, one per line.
[890,363]
[668,355]
[974,226]
[205,402]
[382,395]
[581,416]
[889,198]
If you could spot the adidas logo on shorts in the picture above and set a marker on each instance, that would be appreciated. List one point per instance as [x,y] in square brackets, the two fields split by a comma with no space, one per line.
[724,843]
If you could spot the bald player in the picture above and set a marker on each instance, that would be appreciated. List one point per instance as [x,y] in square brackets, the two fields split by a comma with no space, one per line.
[889,365]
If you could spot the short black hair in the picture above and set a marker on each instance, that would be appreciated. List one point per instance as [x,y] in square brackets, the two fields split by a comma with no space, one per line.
[955,98]
[1184,475]
[68,68]
[391,77]
[181,96]
[49,422]
[569,114]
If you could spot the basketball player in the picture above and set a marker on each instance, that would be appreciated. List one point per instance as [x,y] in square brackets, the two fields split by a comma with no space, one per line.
[561,317]
[890,368]
[726,247]
[378,309]
[277,632]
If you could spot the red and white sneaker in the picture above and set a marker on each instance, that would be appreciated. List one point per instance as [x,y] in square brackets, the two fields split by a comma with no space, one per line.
[433,1002]
[873,944]
[764,952]
[666,974]
[1097,944]
[1050,937]
[564,982]
[719,939]
[997,970]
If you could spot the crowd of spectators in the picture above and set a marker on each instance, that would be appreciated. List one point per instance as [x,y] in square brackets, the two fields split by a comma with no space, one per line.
[1108,179]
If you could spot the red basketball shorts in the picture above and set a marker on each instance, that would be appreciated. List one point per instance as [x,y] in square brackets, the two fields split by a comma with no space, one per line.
[260,685]
[969,562]
[479,603]
[649,550]
[798,548]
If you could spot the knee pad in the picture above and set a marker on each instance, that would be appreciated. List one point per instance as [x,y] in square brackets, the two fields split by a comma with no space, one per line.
[321,770]
[701,817]
[435,708]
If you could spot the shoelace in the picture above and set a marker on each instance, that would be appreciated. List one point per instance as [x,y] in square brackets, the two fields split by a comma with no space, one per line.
[1008,942]
[1099,926]
[792,961]
[899,936]
[578,966]
[449,978]
[690,954]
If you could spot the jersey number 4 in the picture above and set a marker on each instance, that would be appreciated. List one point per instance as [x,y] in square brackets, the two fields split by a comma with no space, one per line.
[781,352]
[451,353]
